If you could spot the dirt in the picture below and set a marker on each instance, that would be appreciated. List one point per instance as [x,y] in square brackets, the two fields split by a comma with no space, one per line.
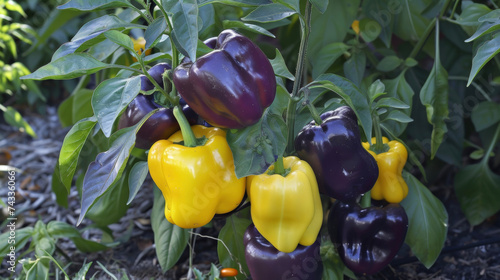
[469,252]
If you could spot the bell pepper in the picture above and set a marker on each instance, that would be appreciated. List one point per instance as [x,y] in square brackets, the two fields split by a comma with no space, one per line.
[266,262]
[367,239]
[231,86]
[286,210]
[333,149]
[390,185]
[161,124]
[197,182]
[139,46]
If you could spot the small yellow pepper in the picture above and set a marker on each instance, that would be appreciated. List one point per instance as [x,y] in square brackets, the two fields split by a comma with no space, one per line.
[197,182]
[390,185]
[286,210]
[139,46]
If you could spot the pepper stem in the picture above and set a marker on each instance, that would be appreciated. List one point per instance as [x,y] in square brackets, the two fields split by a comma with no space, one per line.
[187,132]
[279,167]
[366,200]
[292,103]
[312,109]
[379,144]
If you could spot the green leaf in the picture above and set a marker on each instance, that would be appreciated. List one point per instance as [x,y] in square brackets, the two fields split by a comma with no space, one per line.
[76,107]
[232,236]
[88,246]
[471,12]
[185,25]
[389,63]
[71,148]
[485,28]
[104,23]
[370,29]
[409,22]
[427,219]
[399,89]
[155,30]
[239,3]
[14,118]
[354,67]
[279,67]
[333,267]
[269,13]
[15,7]
[485,114]
[108,166]
[379,11]
[121,39]
[138,174]
[398,116]
[23,235]
[321,5]
[352,96]
[82,273]
[68,67]
[258,146]
[375,90]
[478,188]
[94,5]
[434,96]
[484,54]
[58,229]
[326,56]
[58,187]
[170,240]
[410,62]
[78,45]
[228,24]
[111,97]
[391,102]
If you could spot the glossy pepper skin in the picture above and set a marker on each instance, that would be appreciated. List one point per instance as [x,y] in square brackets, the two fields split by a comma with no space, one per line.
[197,182]
[333,149]
[266,262]
[390,185]
[286,210]
[161,124]
[231,86]
[367,239]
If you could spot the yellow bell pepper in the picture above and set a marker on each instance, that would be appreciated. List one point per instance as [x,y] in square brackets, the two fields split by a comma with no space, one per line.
[286,210]
[139,46]
[197,182]
[390,185]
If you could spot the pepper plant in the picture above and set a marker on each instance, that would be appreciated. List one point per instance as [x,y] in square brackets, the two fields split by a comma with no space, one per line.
[281,138]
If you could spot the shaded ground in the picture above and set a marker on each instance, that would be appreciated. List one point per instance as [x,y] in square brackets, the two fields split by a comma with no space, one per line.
[469,253]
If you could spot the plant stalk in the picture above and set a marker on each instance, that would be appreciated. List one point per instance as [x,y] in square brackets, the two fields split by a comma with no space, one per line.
[187,132]
[492,145]
[279,167]
[292,103]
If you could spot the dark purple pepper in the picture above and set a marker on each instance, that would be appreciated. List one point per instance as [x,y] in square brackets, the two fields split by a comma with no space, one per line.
[266,262]
[231,86]
[161,124]
[343,168]
[367,239]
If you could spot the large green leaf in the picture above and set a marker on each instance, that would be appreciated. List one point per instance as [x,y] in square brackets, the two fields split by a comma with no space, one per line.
[108,167]
[378,11]
[58,187]
[471,12]
[71,148]
[110,99]
[427,219]
[138,174]
[478,188]
[68,67]
[170,240]
[434,96]
[185,25]
[76,107]
[330,27]
[227,24]
[485,114]
[78,45]
[240,3]
[326,56]
[279,67]
[485,28]
[94,5]
[104,23]
[232,236]
[258,146]
[409,22]
[153,33]
[352,96]
[484,54]
[354,67]
[269,13]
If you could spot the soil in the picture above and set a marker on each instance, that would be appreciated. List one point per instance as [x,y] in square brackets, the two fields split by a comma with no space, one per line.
[469,252]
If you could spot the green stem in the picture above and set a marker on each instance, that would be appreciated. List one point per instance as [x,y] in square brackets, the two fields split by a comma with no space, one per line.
[292,103]
[366,200]
[379,144]
[187,132]
[172,101]
[423,39]
[279,167]
[454,8]
[142,14]
[79,85]
[474,84]
[492,145]
[445,7]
